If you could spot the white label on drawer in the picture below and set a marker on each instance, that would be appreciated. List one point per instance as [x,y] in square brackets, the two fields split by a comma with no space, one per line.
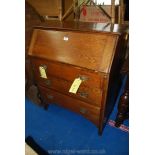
[65,38]
[42,72]
[75,85]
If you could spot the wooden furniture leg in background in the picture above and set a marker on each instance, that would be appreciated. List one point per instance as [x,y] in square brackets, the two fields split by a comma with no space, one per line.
[43,101]
[123,106]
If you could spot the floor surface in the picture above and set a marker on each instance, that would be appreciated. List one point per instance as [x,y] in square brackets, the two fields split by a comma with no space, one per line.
[60,131]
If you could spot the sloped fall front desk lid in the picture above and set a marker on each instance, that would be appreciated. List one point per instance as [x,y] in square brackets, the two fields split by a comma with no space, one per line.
[76,43]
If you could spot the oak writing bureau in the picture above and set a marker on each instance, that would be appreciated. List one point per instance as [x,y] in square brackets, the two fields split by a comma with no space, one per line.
[76,65]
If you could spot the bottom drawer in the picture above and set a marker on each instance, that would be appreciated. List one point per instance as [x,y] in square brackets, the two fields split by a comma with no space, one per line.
[88,111]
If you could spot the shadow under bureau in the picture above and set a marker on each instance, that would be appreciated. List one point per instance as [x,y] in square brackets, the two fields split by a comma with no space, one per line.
[76,65]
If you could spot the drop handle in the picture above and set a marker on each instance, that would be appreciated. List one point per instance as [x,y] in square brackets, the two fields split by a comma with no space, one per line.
[83,94]
[50,97]
[48,82]
[44,66]
[83,110]
[83,77]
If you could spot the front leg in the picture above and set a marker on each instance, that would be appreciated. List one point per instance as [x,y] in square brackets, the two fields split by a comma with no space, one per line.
[43,100]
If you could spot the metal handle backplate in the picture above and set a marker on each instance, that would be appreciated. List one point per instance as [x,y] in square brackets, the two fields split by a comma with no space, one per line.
[83,94]
[48,82]
[50,96]
[83,110]
[44,66]
[83,77]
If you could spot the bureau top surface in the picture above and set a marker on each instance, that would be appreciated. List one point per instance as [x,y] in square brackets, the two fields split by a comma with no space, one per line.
[76,44]
[85,26]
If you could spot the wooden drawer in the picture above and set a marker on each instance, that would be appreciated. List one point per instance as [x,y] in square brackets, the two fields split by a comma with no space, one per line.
[88,111]
[91,95]
[68,72]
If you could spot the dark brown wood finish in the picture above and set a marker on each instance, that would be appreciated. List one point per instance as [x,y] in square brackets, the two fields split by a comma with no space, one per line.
[123,106]
[70,50]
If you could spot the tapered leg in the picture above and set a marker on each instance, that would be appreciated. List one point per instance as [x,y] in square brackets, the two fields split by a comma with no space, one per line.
[100,131]
[102,124]
[43,101]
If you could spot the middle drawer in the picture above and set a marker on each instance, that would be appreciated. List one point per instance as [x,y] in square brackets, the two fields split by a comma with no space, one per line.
[91,95]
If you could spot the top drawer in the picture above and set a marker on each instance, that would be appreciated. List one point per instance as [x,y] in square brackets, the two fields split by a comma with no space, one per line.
[68,72]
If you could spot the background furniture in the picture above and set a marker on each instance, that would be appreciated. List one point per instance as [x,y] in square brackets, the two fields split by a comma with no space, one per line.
[123,106]
[48,9]
[71,10]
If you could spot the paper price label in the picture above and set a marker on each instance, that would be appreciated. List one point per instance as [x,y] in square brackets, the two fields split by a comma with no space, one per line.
[75,85]
[42,72]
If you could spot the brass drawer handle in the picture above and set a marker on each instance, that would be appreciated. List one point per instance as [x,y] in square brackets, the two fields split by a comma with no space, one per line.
[83,110]
[83,94]
[44,66]
[48,82]
[50,97]
[83,77]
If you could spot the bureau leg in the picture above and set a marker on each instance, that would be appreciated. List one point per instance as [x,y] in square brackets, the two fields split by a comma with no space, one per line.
[46,106]
[102,124]
[123,109]
[100,131]
[43,102]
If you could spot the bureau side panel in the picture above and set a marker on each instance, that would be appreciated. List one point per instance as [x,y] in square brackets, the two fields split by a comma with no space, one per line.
[111,86]
[114,78]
